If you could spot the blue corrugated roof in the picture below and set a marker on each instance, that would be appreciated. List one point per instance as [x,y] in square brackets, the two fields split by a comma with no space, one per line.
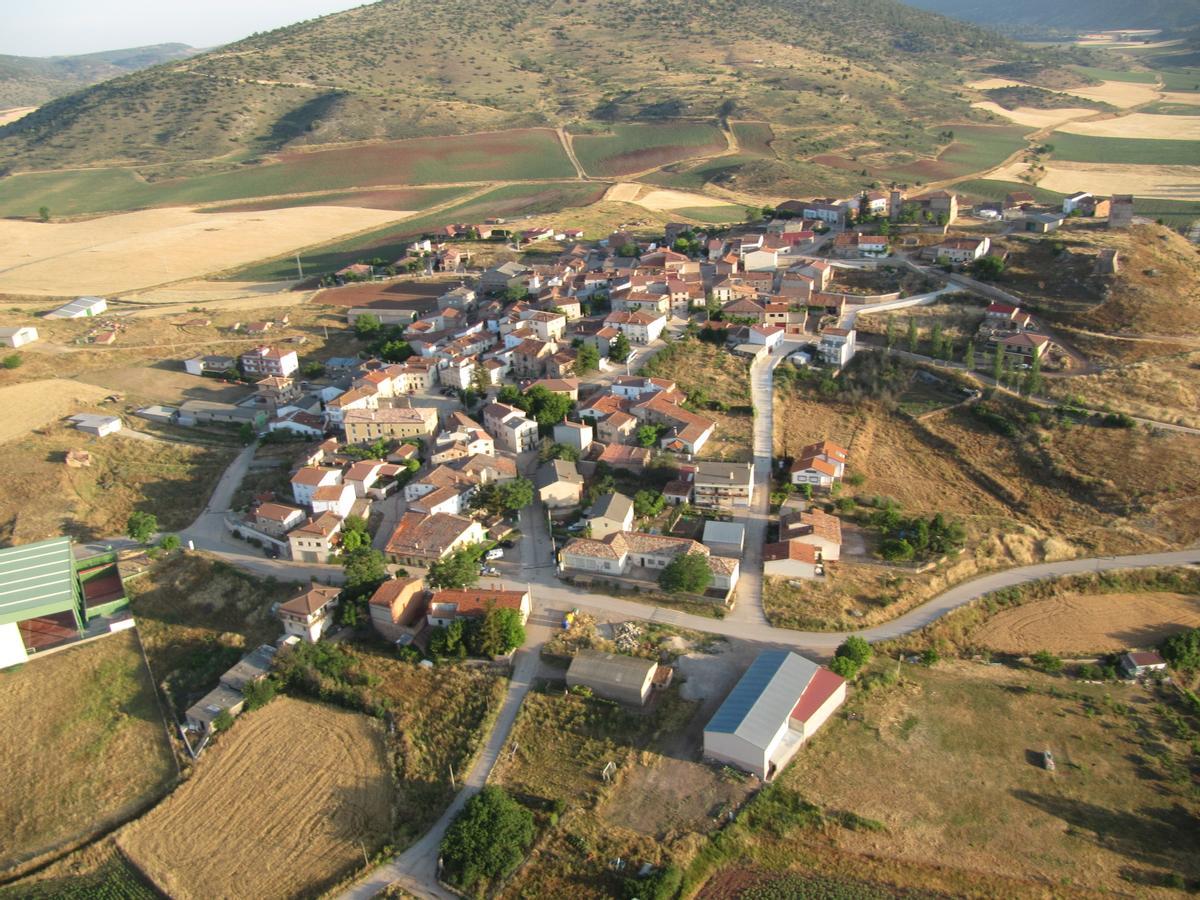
[764,697]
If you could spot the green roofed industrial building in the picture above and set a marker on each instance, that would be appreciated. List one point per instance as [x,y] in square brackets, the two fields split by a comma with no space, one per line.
[48,597]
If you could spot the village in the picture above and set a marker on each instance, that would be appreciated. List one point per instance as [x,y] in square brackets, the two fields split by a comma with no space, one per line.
[496,464]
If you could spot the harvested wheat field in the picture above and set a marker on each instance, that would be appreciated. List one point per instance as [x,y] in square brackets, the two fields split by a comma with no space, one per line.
[666,200]
[988,84]
[8,116]
[24,407]
[622,192]
[1186,98]
[1036,118]
[1163,182]
[1089,623]
[1122,94]
[276,808]
[1140,125]
[128,252]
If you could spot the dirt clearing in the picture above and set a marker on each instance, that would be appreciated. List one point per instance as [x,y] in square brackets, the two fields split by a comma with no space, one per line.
[85,744]
[1089,623]
[8,116]
[622,192]
[1035,118]
[1140,125]
[1163,182]
[138,250]
[34,404]
[662,200]
[276,809]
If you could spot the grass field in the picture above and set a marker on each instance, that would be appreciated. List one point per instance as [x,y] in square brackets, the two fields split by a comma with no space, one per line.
[197,617]
[1118,814]
[282,805]
[1181,79]
[1083,148]
[170,480]
[627,149]
[720,215]
[1115,74]
[976,148]
[505,155]
[754,137]
[510,201]
[95,871]
[694,176]
[85,745]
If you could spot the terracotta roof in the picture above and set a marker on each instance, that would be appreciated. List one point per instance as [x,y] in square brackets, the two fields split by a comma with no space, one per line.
[329,492]
[276,512]
[311,601]
[822,686]
[793,550]
[312,475]
[828,448]
[395,414]
[322,526]
[476,602]
[427,534]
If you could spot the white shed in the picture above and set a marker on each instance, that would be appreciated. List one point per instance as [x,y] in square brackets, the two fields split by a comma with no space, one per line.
[79,308]
[18,336]
[777,705]
[92,423]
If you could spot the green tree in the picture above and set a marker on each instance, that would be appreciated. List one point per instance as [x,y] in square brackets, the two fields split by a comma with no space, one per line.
[169,542]
[687,573]
[559,451]
[629,250]
[1047,661]
[913,335]
[44,213]
[515,294]
[223,721]
[141,526]
[969,356]
[500,633]
[998,363]
[504,497]
[546,407]
[647,436]
[897,550]
[987,268]
[648,503]
[259,693]
[620,349]
[935,340]
[891,332]
[367,325]
[365,570]
[458,570]
[1182,651]
[586,359]
[857,649]
[843,666]
[487,840]
[396,351]
[1033,378]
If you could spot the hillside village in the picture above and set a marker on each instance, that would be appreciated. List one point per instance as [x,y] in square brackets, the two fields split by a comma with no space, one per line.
[501,457]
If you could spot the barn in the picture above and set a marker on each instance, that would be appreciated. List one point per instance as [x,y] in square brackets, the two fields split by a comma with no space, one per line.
[777,705]
[614,676]
[79,308]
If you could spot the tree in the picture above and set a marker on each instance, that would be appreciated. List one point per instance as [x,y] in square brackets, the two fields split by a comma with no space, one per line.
[998,363]
[44,213]
[647,436]
[987,268]
[505,497]
[897,550]
[969,356]
[629,250]
[559,451]
[913,335]
[807,491]
[487,840]
[619,351]
[856,649]
[1182,650]
[367,325]
[258,693]
[843,666]
[396,351]
[586,359]
[1047,661]
[891,332]
[935,340]
[223,721]
[648,503]
[687,573]
[458,570]
[169,542]
[515,294]
[500,633]
[546,407]
[141,526]
[365,569]
[1033,378]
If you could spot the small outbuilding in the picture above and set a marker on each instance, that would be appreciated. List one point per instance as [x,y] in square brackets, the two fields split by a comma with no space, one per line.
[79,308]
[614,676]
[777,705]
[18,336]
[92,423]
[1141,662]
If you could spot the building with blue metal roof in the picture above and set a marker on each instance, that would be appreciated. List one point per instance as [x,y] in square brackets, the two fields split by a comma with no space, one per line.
[778,704]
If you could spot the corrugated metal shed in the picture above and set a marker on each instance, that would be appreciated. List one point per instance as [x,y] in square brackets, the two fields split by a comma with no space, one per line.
[763,699]
[37,579]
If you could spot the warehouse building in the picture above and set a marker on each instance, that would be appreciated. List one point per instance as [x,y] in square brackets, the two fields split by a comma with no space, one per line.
[614,676]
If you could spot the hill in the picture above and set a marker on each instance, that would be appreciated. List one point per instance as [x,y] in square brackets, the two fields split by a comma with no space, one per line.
[830,75]
[1033,16]
[32,81]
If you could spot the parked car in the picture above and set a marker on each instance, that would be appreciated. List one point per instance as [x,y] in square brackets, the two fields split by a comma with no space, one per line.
[507,545]
[490,570]
[494,553]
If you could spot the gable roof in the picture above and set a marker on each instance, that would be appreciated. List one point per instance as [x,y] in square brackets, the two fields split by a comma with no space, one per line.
[763,699]
[34,575]
[613,669]
[313,600]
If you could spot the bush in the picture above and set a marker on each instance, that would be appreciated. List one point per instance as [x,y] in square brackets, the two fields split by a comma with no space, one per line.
[12,361]
[141,526]
[843,666]
[662,885]
[1182,651]
[1047,661]
[687,573]
[930,657]
[169,542]
[487,840]
[856,649]
[896,550]
[259,693]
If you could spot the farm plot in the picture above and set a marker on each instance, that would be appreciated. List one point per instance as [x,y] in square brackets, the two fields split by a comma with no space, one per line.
[1122,94]
[754,137]
[399,199]
[34,404]
[975,148]
[1106,178]
[137,250]
[1035,118]
[1145,126]
[276,809]
[1089,623]
[627,149]
[85,745]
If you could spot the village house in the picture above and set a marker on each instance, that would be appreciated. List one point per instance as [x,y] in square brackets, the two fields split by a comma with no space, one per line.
[277,519]
[620,553]
[308,479]
[576,435]
[639,327]
[311,614]
[316,541]
[420,539]
[228,696]
[792,559]
[510,427]
[838,346]
[816,528]
[720,485]
[781,701]
[397,608]
[363,426]
[613,676]
[610,514]
[333,498]
[264,361]
[559,485]
[819,465]
[474,603]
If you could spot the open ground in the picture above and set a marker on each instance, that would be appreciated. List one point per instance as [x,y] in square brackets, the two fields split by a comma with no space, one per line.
[1089,623]
[1140,125]
[284,804]
[85,745]
[1035,118]
[1106,179]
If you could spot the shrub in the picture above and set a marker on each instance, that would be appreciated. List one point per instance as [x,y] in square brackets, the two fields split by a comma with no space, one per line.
[12,361]
[843,666]
[1182,651]
[141,526]
[687,573]
[259,693]
[1047,661]
[488,839]
[856,649]
[930,657]
[169,542]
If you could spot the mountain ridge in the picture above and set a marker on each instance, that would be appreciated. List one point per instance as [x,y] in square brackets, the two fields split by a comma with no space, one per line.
[34,80]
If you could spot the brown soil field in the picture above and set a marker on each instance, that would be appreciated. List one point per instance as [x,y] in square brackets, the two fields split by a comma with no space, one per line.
[1140,125]
[422,295]
[113,254]
[1123,94]
[623,191]
[275,809]
[85,745]
[35,404]
[45,498]
[1084,624]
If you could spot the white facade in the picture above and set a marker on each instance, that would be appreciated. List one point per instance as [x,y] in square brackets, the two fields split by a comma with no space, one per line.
[12,648]
[18,337]
[837,348]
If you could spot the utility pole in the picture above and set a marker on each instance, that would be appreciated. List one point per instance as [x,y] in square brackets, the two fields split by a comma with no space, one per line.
[299,267]
[453,787]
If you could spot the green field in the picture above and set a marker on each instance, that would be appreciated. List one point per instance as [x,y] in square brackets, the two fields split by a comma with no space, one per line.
[1181,79]
[1174,213]
[1171,109]
[1115,75]
[975,148]
[686,177]
[1084,148]
[510,201]
[754,137]
[987,189]
[718,215]
[627,149]
[508,155]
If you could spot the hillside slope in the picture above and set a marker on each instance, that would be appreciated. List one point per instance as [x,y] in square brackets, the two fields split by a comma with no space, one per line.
[1068,15]
[31,81]
[399,68]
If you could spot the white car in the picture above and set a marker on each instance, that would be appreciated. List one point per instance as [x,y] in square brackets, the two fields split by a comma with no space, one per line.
[494,553]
